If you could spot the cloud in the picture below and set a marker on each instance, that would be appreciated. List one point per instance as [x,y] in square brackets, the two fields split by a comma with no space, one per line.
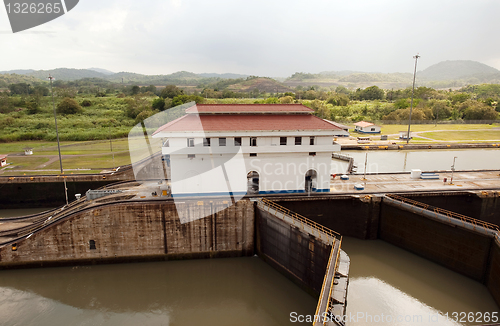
[266,38]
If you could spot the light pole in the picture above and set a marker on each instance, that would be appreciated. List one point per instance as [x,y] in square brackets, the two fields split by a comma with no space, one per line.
[412,93]
[57,134]
[452,170]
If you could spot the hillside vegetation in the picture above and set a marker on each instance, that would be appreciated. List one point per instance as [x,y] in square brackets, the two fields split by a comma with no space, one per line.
[93,108]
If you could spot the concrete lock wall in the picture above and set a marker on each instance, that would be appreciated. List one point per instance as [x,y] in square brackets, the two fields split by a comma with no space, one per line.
[298,255]
[136,231]
[493,280]
[461,250]
[484,206]
[353,216]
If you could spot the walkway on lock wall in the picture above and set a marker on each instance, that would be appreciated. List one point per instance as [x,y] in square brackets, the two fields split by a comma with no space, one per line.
[333,293]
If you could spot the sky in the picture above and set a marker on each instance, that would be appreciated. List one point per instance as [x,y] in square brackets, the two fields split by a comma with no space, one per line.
[265,38]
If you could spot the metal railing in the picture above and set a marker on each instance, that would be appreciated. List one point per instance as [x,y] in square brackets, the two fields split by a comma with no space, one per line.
[449,214]
[303,220]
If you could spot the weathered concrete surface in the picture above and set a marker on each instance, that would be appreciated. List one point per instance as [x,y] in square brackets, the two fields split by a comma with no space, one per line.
[354,216]
[481,205]
[298,255]
[493,280]
[402,183]
[461,250]
[137,231]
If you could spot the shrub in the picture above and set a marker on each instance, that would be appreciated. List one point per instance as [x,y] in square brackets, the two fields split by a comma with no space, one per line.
[68,106]
[86,103]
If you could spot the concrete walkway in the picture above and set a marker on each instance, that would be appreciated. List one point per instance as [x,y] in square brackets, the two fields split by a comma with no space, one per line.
[383,183]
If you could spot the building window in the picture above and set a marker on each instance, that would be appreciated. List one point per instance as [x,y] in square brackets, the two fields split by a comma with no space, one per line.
[298,140]
[222,141]
[237,141]
[191,156]
[283,141]
[92,244]
[190,142]
[206,141]
[311,140]
[253,154]
[166,143]
[253,141]
[373,129]
[312,153]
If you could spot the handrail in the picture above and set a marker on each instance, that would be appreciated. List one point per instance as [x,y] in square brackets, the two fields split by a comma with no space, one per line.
[448,213]
[333,279]
[320,300]
[302,219]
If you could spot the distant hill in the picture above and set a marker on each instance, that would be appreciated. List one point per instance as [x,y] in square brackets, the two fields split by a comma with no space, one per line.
[457,73]
[18,71]
[7,79]
[457,69]
[223,76]
[66,74]
[263,84]
[102,71]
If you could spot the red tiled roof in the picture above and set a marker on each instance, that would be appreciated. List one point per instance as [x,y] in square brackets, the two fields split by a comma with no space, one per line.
[363,124]
[2,156]
[249,108]
[246,122]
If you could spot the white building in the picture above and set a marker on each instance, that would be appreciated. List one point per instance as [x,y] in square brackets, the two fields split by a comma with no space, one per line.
[367,127]
[248,148]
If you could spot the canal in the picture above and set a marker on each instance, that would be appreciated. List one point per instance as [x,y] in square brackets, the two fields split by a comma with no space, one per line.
[379,161]
[384,281]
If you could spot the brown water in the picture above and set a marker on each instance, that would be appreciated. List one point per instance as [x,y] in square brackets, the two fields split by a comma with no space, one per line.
[384,281]
[387,280]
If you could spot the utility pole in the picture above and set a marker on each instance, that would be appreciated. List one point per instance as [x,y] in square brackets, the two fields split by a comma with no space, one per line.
[412,93]
[58,145]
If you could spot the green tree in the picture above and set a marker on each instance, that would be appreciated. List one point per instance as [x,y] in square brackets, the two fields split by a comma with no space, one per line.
[171,91]
[135,90]
[20,88]
[69,106]
[136,104]
[182,99]
[158,104]
[41,90]
[286,99]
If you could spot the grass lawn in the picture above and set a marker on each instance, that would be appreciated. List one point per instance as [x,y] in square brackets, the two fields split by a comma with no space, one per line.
[464,135]
[42,172]
[395,129]
[94,162]
[25,162]
[68,148]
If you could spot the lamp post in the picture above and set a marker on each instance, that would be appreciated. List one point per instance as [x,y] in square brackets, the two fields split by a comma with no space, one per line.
[57,134]
[412,93]
[452,170]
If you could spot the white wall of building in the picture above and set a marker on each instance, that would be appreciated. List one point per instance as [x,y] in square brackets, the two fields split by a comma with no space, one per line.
[218,170]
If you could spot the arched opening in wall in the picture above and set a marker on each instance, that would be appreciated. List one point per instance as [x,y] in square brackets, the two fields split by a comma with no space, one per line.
[252,183]
[311,181]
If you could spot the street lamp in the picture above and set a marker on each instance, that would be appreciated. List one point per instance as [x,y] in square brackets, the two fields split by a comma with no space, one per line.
[57,133]
[452,170]
[412,93]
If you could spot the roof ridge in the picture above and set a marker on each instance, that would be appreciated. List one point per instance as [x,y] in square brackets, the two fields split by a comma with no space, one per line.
[169,124]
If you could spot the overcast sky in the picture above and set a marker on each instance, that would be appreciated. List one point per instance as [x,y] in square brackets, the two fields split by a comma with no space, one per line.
[265,38]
